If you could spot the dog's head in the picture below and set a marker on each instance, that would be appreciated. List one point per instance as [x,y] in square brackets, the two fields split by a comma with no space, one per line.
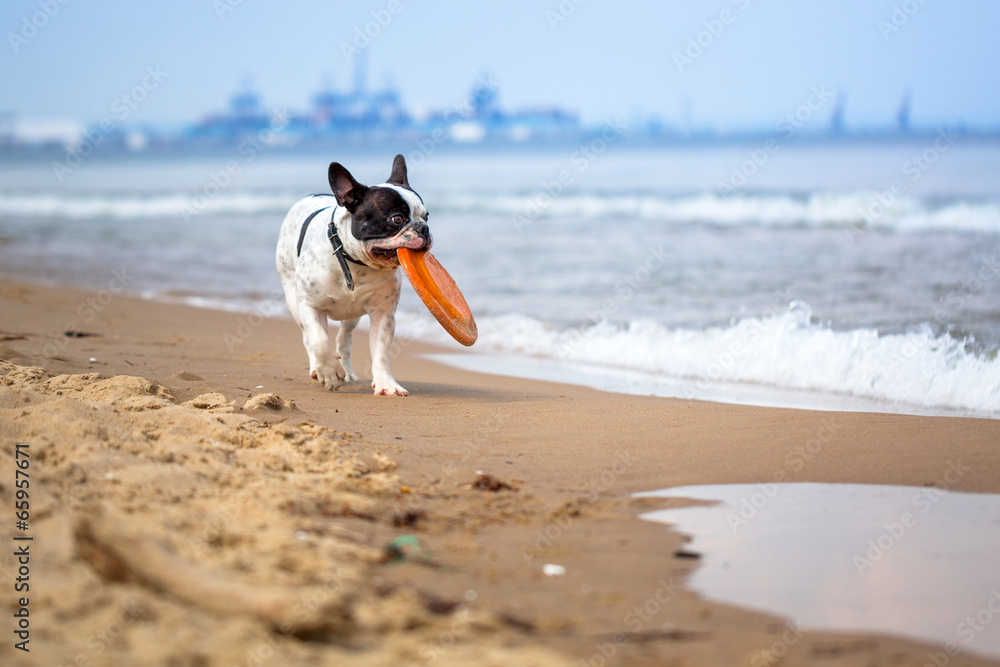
[384,217]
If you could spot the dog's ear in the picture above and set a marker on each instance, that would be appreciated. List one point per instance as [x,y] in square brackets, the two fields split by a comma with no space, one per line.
[347,190]
[398,175]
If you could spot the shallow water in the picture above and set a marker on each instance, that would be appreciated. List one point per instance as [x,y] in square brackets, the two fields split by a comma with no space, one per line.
[918,562]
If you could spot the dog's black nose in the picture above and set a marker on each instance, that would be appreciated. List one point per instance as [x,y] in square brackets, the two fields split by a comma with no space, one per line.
[422,229]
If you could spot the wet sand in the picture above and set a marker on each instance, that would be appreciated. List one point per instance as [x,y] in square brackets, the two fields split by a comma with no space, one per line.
[196,498]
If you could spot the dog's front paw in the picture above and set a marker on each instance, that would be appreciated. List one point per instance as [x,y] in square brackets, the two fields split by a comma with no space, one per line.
[327,376]
[388,387]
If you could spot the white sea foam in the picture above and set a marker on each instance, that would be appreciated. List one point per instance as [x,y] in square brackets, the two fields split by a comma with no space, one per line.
[118,207]
[768,210]
[786,350]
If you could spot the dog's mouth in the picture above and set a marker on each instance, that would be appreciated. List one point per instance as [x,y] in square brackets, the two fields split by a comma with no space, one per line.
[385,254]
[384,251]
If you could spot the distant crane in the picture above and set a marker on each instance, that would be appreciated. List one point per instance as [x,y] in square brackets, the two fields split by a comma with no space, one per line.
[903,115]
[837,117]
[360,74]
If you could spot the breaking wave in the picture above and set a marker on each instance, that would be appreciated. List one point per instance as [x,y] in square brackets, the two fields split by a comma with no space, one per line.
[786,351]
[856,209]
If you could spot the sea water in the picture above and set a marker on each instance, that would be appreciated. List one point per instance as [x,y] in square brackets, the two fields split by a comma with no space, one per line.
[835,272]
[919,562]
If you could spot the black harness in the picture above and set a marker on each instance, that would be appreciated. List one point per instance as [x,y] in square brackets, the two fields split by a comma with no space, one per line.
[338,245]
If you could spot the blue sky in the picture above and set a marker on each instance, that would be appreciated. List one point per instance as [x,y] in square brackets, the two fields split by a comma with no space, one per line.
[759,59]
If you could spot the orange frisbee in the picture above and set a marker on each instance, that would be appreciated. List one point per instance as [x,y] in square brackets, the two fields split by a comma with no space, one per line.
[439,293]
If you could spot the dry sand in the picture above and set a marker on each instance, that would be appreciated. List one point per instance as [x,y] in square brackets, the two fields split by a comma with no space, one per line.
[197,500]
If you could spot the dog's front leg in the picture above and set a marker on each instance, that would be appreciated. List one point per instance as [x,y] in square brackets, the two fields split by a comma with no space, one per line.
[323,361]
[383,328]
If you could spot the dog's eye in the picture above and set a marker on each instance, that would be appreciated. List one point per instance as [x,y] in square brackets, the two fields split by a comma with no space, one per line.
[398,219]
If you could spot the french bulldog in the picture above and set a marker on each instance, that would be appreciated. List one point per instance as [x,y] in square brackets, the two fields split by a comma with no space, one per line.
[337,259]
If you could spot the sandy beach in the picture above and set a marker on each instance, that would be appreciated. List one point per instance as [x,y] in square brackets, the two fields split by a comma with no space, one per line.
[197,500]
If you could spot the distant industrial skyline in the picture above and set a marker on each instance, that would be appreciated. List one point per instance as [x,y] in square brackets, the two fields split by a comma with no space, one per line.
[723,64]
[822,110]
[365,112]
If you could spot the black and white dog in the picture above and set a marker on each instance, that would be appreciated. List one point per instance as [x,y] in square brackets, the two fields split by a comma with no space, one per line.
[343,265]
